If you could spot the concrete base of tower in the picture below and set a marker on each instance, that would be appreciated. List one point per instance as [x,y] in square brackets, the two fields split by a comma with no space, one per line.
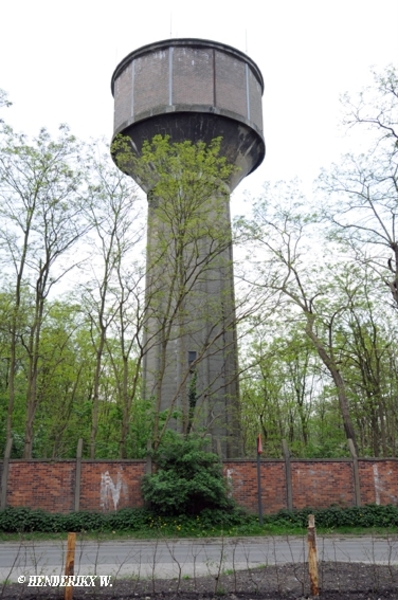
[190,366]
[191,378]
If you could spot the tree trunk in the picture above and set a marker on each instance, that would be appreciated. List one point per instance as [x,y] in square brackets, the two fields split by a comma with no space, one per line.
[336,376]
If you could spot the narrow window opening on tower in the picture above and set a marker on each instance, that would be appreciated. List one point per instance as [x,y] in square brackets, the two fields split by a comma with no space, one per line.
[191,359]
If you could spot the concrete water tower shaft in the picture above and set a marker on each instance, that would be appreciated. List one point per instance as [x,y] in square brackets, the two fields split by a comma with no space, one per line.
[197,90]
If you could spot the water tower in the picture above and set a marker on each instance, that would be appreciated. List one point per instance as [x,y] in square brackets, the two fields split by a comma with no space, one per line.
[197,90]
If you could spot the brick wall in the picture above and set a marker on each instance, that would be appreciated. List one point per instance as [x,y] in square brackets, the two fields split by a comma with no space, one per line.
[110,485]
[242,476]
[325,482]
[40,484]
[379,481]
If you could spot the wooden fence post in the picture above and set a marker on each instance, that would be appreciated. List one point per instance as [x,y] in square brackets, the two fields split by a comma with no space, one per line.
[312,557]
[70,564]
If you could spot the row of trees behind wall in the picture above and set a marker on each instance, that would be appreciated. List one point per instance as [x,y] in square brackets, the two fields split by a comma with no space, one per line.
[316,286]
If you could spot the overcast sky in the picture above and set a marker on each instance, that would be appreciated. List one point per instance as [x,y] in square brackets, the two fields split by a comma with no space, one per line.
[57,59]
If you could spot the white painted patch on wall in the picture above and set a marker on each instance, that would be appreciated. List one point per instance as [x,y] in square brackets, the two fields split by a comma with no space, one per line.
[376,480]
[110,491]
[380,486]
[234,481]
[229,481]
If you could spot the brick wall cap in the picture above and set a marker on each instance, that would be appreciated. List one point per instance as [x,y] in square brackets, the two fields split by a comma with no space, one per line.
[47,461]
[61,461]
[346,459]
[253,461]
[189,42]
[140,461]
[124,461]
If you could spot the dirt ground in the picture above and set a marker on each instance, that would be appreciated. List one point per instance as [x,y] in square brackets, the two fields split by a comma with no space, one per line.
[337,581]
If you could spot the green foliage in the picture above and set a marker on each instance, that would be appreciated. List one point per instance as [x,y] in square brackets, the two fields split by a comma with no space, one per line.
[175,170]
[15,520]
[53,191]
[188,480]
[143,522]
[370,515]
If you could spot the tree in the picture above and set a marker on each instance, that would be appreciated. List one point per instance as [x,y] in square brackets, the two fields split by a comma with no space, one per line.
[41,192]
[4,101]
[361,200]
[279,388]
[113,293]
[303,284]
[61,382]
[368,350]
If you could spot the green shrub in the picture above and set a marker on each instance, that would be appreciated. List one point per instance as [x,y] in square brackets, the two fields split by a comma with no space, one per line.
[188,480]
[85,521]
[224,519]
[233,520]
[370,515]
[20,519]
[129,519]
